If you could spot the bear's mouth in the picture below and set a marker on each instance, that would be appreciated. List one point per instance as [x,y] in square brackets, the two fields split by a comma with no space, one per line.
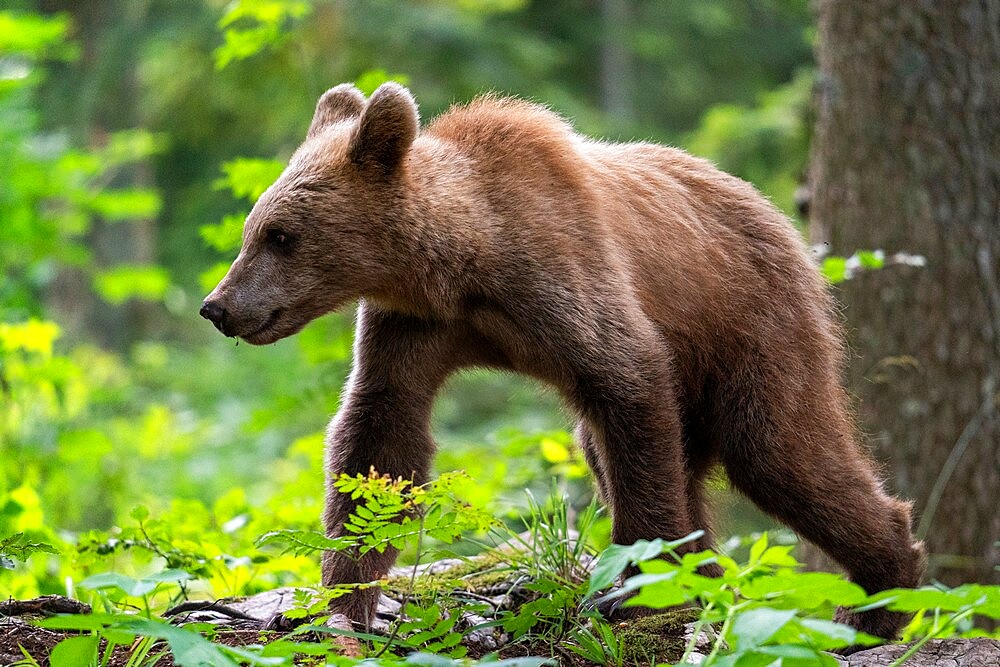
[258,336]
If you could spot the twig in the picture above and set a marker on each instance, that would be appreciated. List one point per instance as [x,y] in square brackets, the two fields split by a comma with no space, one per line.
[206,605]
[47,605]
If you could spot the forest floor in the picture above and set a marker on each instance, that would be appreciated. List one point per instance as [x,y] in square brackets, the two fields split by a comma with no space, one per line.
[259,620]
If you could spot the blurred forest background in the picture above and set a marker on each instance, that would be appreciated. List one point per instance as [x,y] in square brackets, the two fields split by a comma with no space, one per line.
[135,135]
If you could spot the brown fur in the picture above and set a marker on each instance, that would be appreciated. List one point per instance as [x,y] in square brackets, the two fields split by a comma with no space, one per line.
[674,307]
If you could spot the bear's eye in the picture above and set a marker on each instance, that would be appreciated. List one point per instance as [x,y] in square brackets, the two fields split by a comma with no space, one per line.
[278,238]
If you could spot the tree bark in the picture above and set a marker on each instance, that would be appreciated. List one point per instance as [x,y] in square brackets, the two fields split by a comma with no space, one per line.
[617,66]
[905,158]
[952,652]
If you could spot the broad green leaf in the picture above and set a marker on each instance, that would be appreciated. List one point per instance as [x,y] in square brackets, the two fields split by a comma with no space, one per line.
[805,590]
[190,649]
[791,655]
[758,548]
[659,592]
[169,576]
[75,652]
[984,599]
[114,580]
[616,558]
[755,626]
[81,622]
[834,634]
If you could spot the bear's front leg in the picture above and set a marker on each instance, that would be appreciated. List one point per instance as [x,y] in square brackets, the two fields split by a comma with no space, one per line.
[383,424]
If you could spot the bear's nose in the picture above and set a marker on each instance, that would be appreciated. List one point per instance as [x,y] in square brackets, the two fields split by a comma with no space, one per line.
[212,311]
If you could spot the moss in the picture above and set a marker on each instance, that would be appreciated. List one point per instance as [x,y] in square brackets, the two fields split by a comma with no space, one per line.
[475,574]
[654,639]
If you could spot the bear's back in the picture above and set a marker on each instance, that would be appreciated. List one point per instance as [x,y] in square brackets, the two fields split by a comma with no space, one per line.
[679,224]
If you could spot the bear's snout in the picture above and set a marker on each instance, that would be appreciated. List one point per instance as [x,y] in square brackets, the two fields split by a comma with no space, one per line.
[213,312]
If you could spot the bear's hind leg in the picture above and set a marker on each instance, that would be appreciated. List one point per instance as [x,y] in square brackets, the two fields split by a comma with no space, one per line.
[700,516]
[796,457]
[585,440]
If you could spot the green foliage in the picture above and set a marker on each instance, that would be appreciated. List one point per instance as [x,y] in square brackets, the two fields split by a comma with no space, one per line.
[250,26]
[34,36]
[767,144]
[132,282]
[766,609]
[838,269]
[391,513]
[188,648]
[19,546]
[597,644]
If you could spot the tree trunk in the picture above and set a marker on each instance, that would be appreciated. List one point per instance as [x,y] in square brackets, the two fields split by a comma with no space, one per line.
[905,158]
[617,67]
[105,91]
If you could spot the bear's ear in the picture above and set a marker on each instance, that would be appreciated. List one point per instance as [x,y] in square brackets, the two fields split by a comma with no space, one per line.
[341,102]
[388,126]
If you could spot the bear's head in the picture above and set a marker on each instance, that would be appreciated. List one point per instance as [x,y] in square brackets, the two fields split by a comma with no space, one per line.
[317,238]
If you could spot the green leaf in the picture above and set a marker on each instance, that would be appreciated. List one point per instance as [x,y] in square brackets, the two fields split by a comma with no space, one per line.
[75,652]
[247,178]
[617,557]
[131,586]
[870,260]
[126,282]
[19,546]
[33,34]
[114,580]
[170,576]
[190,649]
[985,600]
[115,205]
[790,655]
[31,336]
[834,269]
[804,590]
[226,236]
[305,541]
[758,547]
[836,634]
[81,622]
[755,626]
[656,591]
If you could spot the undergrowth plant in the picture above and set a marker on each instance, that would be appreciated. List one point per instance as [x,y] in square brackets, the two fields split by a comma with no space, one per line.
[767,610]
[762,610]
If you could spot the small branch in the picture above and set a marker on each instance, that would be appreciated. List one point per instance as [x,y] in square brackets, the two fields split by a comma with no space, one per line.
[206,605]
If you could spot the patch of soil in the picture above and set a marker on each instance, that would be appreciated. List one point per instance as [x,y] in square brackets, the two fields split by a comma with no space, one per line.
[16,634]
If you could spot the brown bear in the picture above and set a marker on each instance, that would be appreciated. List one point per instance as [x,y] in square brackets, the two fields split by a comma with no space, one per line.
[674,308]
